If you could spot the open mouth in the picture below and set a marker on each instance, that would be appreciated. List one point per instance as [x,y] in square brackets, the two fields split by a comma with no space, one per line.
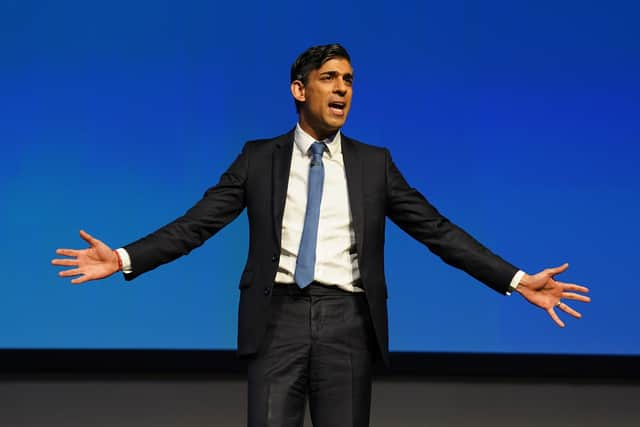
[337,108]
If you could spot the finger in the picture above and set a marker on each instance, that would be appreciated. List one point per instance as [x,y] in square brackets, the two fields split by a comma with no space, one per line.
[564,307]
[576,297]
[558,270]
[88,238]
[79,280]
[72,272]
[68,252]
[555,317]
[575,288]
[66,261]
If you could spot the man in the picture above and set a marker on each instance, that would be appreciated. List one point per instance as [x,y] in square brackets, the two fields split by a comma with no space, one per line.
[312,314]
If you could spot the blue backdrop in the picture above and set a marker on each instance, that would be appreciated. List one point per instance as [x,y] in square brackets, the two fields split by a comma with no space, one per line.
[518,120]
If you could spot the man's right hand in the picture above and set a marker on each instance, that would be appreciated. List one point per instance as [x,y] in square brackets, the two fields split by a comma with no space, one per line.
[94,263]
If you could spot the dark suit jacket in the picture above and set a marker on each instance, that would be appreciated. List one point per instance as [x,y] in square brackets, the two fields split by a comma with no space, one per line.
[258,180]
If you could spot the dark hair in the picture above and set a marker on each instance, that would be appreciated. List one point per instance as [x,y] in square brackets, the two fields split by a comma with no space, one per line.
[312,59]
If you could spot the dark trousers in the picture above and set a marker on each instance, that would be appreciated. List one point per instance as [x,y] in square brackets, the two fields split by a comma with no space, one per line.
[319,344]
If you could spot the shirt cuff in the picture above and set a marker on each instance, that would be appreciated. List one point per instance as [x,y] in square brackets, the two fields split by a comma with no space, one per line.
[512,286]
[126,260]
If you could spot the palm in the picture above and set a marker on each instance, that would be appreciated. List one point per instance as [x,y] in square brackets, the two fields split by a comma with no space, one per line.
[96,262]
[548,290]
[96,258]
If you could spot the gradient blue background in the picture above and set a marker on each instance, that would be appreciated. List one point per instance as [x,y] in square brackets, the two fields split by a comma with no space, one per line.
[518,120]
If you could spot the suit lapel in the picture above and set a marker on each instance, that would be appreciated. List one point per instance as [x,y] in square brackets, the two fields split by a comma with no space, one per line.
[353,170]
[281,165]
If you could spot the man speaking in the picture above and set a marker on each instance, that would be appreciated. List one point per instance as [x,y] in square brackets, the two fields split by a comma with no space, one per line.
[313,310]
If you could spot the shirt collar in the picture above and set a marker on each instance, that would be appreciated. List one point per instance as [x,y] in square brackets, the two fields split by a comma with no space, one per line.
[303,141]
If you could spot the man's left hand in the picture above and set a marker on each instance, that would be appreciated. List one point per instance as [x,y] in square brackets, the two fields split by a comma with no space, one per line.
[544,291]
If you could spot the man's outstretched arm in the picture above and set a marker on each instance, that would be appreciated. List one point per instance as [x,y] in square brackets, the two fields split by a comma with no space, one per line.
[415,215]
[219,206]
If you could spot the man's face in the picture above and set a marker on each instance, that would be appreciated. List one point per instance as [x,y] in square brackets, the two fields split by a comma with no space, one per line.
[325,99]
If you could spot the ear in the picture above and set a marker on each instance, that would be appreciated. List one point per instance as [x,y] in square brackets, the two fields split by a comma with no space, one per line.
[297,90]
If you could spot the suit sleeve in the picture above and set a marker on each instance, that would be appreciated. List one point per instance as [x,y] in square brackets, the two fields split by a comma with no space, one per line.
[411,211]
[219,205]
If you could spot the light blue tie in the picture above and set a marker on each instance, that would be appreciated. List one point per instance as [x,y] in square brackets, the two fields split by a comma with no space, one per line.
[306,261]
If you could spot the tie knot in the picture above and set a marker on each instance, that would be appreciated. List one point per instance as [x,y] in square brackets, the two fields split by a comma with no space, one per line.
[317,148]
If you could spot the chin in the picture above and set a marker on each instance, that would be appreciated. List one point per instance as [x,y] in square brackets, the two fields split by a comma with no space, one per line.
[336,123]
[333,127]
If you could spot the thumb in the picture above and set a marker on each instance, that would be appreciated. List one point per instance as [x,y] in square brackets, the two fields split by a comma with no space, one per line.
[88,238]
[558,270]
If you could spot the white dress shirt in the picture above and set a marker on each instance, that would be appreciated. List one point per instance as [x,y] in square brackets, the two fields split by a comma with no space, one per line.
[336,256]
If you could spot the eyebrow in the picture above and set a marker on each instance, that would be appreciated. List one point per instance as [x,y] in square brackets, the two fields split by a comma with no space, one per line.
[333,73]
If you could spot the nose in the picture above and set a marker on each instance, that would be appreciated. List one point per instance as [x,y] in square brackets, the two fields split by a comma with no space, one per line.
[340,87]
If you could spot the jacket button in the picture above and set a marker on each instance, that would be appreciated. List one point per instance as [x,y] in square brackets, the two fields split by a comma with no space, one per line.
[267,291]
[274,258]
